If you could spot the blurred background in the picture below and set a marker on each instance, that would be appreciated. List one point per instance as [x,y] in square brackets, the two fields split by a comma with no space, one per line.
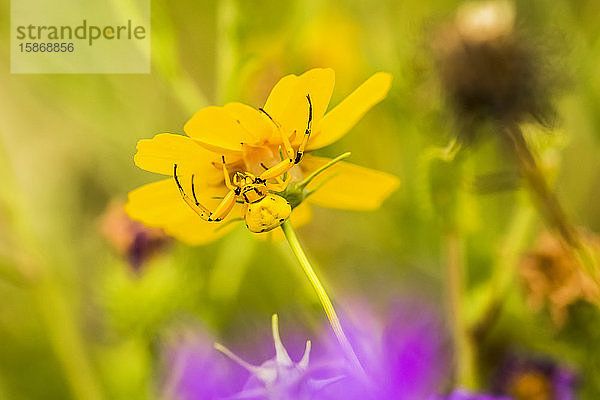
[84,316]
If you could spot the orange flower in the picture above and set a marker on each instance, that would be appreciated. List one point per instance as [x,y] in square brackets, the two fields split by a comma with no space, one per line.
[134,241]
[552,276]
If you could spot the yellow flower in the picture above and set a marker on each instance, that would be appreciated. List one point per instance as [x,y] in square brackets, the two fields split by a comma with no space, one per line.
[249,140]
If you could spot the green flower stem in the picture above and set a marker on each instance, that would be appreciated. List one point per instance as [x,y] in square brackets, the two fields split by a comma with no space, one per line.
[313,175]
[503,273]
[548,202]
[334,321]
[464,352]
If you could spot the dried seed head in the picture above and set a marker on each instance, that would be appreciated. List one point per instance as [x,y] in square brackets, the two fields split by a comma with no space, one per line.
[488,69]
[484,22]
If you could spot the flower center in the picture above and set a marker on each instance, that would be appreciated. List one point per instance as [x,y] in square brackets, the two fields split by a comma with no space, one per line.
[531,386]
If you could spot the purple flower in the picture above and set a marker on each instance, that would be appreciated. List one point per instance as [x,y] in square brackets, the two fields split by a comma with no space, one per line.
[196,371]
[403,355]
[535,377]
[466,395]
[201,370]
[280,377]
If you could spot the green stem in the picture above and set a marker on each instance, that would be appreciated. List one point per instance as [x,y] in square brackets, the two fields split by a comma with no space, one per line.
[463,342]
[548,202]
[313,175]
[334,321]
[503,273]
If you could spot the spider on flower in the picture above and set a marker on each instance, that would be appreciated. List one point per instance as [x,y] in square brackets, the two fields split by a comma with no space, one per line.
[264,209]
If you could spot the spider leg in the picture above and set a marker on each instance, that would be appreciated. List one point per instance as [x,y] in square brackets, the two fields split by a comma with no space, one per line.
[292,156]
[286,140]
[278,169]
[285,164]
[277,178]
[280,185]
[307,132]
[285,180]
[225,206]
[262,110]
[220,212]
[226,176]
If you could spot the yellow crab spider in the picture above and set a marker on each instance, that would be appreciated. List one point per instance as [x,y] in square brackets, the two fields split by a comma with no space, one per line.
[264,210]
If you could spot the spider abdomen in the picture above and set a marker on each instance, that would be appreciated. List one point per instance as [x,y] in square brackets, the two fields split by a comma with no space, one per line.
[267,213]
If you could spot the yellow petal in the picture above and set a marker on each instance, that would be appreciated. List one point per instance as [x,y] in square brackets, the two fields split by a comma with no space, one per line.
[287,104]
[217,128]
[163,151]
[300,216]
[159,205]
[255,123]
[279,96]
[337,122]
[194,233]
[348,186]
